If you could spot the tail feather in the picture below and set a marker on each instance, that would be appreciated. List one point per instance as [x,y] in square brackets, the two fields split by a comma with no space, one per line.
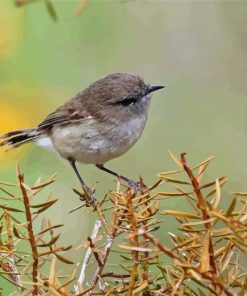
[14,133]
[19,137]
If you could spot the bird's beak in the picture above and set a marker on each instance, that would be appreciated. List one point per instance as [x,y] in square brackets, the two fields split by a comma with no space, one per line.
[153,88]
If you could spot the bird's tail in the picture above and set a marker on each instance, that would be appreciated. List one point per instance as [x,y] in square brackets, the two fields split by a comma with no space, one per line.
[17,138]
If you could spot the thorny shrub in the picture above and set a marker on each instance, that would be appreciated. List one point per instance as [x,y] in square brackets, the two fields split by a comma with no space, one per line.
[204,255]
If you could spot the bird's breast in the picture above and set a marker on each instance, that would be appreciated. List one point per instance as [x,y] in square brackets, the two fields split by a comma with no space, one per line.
[96,142]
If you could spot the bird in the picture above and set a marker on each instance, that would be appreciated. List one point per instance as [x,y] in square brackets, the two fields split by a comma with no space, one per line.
[98,124]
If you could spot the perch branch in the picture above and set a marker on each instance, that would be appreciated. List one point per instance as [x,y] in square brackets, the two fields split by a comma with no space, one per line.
[97,227]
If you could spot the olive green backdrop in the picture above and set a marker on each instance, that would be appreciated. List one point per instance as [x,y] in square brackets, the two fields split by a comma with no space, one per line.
[198,49]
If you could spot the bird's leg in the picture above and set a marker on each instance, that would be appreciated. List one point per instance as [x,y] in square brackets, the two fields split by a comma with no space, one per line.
[101,167]
[83,184]
[131,183]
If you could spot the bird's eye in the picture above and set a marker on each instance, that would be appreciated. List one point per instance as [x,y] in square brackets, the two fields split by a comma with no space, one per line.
[128,101]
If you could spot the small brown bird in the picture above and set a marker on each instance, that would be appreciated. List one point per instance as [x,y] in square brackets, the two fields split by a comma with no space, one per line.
[98,124]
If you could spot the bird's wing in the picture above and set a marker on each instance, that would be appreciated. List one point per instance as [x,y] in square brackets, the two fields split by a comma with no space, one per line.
[72,111]
[51,120]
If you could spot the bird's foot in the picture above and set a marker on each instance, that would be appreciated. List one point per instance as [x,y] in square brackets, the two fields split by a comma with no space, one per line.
[138,186]
[88,197]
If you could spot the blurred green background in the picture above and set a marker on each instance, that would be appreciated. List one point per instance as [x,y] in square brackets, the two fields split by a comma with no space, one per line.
[198,49]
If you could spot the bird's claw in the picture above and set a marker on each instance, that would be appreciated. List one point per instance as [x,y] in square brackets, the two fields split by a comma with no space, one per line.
[136,185]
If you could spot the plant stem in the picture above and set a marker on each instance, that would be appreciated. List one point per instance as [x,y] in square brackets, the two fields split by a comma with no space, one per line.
[35,255]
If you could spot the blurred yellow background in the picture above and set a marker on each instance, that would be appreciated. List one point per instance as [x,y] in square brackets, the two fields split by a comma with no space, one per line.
[198,49]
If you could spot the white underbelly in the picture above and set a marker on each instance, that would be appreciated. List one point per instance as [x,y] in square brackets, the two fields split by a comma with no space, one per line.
[93,143]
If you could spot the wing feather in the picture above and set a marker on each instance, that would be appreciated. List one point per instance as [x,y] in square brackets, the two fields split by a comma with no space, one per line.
[71,111]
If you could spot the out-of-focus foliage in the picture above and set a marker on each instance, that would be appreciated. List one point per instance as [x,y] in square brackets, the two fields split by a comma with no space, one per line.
[50,7]
[11,29]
